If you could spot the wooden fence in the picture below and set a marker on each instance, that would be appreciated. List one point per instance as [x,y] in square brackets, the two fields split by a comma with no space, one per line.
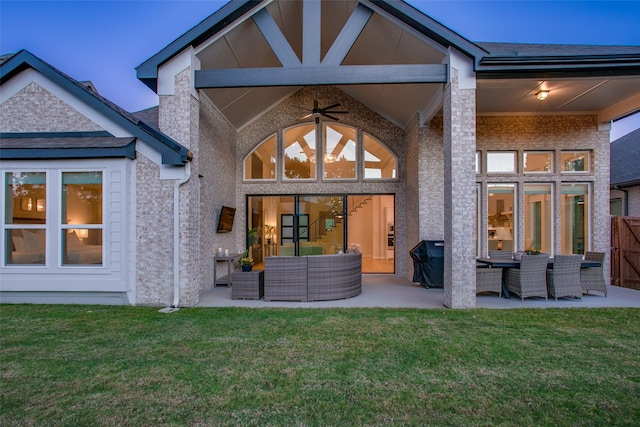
[625,252]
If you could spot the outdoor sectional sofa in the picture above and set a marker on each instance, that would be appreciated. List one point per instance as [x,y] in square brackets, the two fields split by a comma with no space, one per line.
[313,278]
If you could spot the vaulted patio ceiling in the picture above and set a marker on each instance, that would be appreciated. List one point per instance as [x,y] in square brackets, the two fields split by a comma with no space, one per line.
[263,60]
[387,55]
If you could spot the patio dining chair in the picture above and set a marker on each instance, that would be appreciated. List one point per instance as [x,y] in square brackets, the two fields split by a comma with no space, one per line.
[500,254]
[563,280]
[488,279]
[530,279]
[592,278]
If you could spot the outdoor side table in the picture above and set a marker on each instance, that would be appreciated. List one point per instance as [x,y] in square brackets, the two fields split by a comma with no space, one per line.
[247,284]
[229,260]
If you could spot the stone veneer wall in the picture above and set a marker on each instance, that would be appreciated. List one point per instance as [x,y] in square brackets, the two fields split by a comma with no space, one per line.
[287,114]
[154,242]
[217,179]
[556,133]
[459,135]
[35,109]
[178,118]
[412,189]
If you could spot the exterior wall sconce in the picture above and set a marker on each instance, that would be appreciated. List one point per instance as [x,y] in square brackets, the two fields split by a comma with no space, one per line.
[542,95]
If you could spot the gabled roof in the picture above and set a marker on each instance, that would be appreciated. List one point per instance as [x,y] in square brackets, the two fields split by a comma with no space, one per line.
[172,152]
[625,160]
[390,57]
[147,72]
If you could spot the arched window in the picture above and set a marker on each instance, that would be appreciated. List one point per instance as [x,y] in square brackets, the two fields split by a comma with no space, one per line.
[339,159]
[379,162]
[300,152]
[261,161]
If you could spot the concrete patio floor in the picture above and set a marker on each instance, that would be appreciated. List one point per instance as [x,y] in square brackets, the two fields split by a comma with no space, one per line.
[400,293]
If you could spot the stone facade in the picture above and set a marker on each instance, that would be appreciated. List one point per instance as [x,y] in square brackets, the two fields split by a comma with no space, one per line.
[459,199]
[35,109]
[217,181]
[154,235]
[287,114]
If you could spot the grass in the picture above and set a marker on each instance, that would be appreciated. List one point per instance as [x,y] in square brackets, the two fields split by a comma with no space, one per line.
[105,366]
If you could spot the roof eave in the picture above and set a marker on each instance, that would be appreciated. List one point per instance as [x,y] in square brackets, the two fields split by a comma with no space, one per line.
[147,72]
[431,28]
[128,151]
[172,152]
[559,66]
[624,184]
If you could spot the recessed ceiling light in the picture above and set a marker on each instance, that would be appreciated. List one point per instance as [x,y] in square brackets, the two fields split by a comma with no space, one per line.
[542,95]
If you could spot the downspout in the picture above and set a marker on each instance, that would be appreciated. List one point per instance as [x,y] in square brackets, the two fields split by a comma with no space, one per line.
[176,240]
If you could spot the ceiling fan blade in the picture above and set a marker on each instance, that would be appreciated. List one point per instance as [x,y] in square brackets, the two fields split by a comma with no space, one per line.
[330,107]
[306,116]
[336,112]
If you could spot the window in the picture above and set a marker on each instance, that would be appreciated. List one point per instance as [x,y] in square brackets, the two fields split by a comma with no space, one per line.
[501,162]
[538,223]
[81,228]
[615,207]
[261,162]
[339,151]
[500,209]
[537,162]
[339,159]
[71,225]
[25,218]
[575,161]
[379,162]
[575,218]
[300,152]
[477,162]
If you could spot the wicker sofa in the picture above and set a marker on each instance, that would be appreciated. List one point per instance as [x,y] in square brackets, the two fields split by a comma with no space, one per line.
[313,278]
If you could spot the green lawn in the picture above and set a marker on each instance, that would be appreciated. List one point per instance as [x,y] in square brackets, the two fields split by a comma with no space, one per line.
[80,365]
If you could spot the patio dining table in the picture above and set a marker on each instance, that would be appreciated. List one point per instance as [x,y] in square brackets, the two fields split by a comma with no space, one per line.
[515,263]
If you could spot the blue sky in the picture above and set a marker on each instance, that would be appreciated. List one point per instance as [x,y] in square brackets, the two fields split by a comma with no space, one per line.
[104,40]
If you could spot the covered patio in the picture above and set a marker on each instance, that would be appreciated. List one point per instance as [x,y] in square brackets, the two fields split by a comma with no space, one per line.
[393,292]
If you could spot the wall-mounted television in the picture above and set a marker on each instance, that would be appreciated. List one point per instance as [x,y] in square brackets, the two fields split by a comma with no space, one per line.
[225,223]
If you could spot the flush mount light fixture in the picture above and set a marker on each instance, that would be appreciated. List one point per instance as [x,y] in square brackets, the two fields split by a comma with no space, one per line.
[542,95]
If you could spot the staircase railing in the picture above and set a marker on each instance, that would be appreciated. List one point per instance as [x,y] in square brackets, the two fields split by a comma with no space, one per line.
[314,231]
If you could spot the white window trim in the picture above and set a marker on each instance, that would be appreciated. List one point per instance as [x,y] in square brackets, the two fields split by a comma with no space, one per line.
[552,213]
[277,157]
[357,153]
[364,161]
[515,215]
[587,162]
[549,152]
[515,162]
[53,221]
[588,214]
[280,153]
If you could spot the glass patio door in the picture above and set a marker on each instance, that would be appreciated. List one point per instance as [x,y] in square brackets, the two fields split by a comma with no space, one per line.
[302,225]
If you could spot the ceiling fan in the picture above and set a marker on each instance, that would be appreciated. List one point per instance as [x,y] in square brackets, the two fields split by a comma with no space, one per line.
[327,111]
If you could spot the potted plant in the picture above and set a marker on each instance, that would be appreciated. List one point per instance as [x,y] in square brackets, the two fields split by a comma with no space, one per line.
[532,251]
[246,262]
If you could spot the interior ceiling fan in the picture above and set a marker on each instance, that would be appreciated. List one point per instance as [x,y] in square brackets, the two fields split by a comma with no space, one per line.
[327,111]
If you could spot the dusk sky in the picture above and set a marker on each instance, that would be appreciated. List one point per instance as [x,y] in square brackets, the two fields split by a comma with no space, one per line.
[104,40]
